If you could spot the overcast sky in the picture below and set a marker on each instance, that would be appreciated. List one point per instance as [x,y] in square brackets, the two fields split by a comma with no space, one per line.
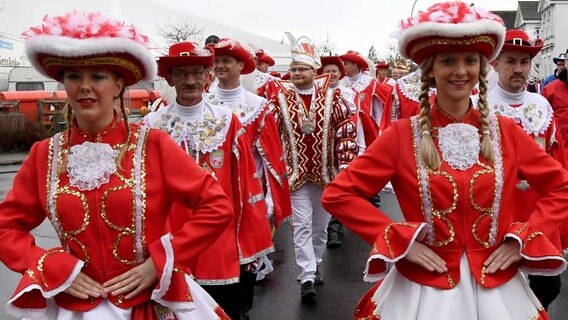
[351,24]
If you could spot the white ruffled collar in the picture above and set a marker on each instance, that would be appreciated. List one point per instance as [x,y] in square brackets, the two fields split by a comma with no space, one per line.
[460,145]
[528,109]
[358,83]
[245,105]
[90,165]
[203,126]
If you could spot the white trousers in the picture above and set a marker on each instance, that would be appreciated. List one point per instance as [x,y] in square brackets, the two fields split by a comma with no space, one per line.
[309,222]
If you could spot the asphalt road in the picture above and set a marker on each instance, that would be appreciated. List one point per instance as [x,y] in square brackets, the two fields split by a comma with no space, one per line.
[278,298]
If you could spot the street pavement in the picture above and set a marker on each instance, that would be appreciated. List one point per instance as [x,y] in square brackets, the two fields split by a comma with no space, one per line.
[278,298]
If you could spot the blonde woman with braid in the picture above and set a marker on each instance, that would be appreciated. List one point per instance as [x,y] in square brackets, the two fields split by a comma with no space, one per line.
[107,188]
[461,248]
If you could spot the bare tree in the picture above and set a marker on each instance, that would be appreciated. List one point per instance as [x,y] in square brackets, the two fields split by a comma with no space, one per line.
[325,46]
[181,28]
[373,54]
[391,53]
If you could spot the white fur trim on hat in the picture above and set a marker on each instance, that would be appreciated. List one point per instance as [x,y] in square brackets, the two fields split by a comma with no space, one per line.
[66,47]
[451,20]
[450,30]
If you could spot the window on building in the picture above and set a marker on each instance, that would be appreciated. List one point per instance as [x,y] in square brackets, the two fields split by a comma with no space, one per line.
[29,86]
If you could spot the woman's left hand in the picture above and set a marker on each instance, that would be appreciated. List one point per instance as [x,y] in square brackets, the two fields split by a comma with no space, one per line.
[508,253]
[133,281]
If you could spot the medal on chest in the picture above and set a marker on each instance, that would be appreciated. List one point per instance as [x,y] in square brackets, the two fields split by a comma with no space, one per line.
[307,116]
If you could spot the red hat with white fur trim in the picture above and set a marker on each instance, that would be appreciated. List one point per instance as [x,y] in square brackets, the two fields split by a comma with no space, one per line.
[235,49]
[518,40]
[77,40]
[451,27]
[355,57]
[185,53]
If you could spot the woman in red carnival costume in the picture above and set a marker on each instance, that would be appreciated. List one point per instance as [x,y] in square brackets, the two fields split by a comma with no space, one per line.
[459,252]
[106,186]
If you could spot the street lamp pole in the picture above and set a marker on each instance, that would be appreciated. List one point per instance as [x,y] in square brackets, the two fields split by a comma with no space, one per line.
[412,11]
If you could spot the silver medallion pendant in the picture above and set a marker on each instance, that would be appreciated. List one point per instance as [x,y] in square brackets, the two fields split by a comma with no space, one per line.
[307,125]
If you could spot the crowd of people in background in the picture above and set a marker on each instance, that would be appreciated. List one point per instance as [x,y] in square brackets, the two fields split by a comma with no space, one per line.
[174,217]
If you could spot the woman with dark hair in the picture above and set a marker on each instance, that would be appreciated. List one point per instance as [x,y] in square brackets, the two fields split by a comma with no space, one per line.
[107,187]
[453,167]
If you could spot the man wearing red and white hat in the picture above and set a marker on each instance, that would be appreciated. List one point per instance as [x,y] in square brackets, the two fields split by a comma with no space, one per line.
[231,61]
[366,130]
[534,114]
[264,61]
[319,139]
[373,96]
[215,138]
[259,81]
[383,73]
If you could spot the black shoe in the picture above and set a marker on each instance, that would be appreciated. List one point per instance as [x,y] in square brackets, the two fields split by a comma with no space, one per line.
[244,316]
[318,281]
[334,240]
[308,292]
[375,200]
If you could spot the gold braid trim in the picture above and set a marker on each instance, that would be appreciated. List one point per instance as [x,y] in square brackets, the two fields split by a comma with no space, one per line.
[94,61]
[452,42]
[42,260]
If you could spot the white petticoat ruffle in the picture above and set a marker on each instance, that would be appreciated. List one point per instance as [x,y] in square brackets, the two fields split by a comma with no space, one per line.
[203,310]
[90,165]
[460,145]
[399,298]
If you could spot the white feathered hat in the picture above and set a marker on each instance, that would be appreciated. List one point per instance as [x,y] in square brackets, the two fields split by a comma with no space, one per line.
[77,40]
[451,27]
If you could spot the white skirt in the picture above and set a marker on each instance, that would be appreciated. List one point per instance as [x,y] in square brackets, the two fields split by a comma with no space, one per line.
[398,298]
[203,303]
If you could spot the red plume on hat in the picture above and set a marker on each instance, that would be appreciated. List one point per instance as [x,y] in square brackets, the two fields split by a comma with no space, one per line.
[76,40]
[185,53]
[519,40]
[235,49]
[451,27]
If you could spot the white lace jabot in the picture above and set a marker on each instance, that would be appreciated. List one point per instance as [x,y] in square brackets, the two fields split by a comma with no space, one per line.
[90,165]
[460,145]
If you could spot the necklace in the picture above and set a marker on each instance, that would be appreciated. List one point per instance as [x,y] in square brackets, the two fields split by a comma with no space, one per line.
[308,116]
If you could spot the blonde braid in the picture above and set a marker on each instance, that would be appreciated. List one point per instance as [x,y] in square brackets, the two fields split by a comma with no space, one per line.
[428,151]
[126,144]
[69,120]
[482,105]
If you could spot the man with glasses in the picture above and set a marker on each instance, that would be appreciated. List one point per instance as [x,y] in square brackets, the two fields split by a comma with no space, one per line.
[319,139]
[534,114]
[215,138]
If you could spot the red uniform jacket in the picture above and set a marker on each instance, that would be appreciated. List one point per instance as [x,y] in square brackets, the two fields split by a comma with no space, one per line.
[224,152]
[108,230]
[467,211]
